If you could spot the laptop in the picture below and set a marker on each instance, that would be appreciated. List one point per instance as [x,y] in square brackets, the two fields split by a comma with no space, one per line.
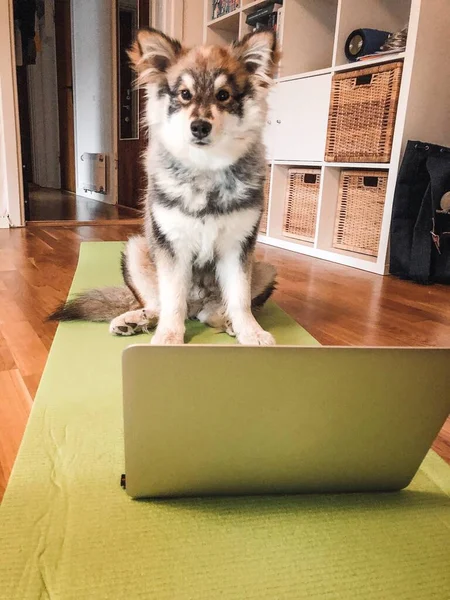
[235,420]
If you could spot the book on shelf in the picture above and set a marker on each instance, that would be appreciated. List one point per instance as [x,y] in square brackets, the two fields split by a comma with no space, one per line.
[223,7]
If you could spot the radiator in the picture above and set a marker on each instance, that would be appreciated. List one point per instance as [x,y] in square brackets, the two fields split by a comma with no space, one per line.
[94,173]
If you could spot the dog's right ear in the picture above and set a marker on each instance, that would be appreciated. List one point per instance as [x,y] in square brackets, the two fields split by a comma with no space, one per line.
[152,54]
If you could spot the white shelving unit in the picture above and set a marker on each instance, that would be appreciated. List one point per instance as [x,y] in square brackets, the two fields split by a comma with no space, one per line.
[313,34]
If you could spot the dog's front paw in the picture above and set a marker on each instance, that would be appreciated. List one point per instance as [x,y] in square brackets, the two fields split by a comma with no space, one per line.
[256,337]
[167,337]
[228,328]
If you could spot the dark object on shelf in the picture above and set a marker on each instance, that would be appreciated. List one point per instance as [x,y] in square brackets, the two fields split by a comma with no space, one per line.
[364,41]
[396,41]
[420,227]
[271,24]
[262,14]
[362,114]
[261,26]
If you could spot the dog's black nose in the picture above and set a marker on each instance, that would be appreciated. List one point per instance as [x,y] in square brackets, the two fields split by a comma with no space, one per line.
[200,129]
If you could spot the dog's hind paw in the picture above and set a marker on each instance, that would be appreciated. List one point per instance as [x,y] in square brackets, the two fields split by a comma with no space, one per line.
[131,323]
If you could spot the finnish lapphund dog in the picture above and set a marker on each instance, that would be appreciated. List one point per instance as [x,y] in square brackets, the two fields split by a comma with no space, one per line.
[205,164]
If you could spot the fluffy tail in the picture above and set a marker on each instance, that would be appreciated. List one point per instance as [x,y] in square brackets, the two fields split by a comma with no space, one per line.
[263,283]
[97,305]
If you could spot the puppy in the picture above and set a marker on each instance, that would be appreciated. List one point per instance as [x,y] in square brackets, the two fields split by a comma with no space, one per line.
[205,111]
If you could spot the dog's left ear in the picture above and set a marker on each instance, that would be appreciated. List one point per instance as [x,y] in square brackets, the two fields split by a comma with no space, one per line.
[152,54]
[260,55]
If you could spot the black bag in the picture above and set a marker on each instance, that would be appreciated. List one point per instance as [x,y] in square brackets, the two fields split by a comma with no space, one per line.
[420,227]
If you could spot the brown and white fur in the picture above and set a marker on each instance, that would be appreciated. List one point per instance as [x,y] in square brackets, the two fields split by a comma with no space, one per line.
[205,166]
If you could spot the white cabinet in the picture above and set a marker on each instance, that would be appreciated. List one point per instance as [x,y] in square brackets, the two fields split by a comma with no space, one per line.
[269,131]
[300,108]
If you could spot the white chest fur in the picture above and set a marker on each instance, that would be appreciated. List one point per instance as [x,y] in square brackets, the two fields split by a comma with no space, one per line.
[202,239]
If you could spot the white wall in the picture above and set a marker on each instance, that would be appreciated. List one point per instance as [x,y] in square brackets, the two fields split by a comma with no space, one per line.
[43,98]
[92,27]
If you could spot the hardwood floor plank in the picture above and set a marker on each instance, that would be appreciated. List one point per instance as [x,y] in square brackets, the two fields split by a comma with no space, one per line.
[10,310]
[6,358]
[15,406]
[337,305]
[26,347]
[6,260]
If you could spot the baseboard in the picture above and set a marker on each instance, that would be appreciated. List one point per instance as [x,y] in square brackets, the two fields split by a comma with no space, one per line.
[4,223]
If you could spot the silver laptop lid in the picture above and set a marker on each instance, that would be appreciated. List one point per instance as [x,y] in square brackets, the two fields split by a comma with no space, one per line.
[206,420]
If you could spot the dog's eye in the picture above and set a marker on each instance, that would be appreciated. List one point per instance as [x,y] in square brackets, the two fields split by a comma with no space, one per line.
[222,95]
[185,95]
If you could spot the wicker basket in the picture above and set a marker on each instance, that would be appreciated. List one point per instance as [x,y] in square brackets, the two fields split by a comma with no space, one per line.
[263,224]
[362,114]
[360,211]
[300,209]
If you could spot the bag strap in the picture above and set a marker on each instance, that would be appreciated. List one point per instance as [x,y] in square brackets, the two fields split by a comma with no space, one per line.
[420,263]
[426,240]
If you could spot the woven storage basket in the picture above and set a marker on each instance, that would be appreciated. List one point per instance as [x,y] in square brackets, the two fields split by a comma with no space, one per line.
[300,210]
[263,224]
[362,114]
[360,211]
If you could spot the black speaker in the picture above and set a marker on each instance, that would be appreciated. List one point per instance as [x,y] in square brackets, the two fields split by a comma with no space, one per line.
[362,42]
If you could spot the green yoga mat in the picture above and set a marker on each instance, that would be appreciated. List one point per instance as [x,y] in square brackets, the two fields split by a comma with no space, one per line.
[69,532]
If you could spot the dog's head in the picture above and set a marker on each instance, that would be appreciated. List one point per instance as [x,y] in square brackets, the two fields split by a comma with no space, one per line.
[208,104]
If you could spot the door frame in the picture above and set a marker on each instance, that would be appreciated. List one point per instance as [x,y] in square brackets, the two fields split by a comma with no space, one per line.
[11,180]
[169,13]
[58,37]
[115,102]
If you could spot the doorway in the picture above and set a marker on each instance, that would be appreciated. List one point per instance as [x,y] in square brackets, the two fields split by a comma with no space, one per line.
[64,51]
[44,79]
